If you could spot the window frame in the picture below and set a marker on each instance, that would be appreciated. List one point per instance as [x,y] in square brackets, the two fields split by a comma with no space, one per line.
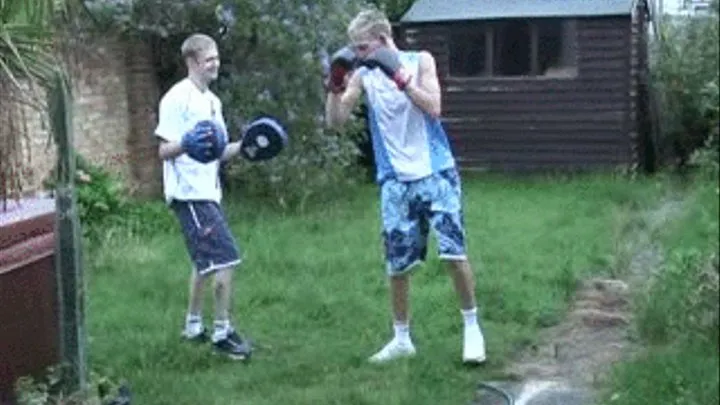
[491,26]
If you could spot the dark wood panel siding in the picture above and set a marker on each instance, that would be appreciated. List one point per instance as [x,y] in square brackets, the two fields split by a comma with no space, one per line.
[519,124]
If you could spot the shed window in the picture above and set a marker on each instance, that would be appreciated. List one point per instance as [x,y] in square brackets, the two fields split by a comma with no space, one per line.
[507,48]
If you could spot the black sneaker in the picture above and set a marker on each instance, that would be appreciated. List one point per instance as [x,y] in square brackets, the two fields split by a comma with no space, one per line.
[234,347]
[201,337]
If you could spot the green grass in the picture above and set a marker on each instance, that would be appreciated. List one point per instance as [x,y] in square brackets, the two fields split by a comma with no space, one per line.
[312,294]
[677,375]
[675,313]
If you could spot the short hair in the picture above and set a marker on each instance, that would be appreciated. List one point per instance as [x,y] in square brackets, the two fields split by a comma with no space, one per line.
[370,21]
[196,43]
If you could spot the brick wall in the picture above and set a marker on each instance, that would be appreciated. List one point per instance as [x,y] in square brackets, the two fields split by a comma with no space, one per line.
[115,96]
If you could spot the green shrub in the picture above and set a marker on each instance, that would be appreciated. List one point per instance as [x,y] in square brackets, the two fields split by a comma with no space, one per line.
[50,388]
[682,300]
[105,207]
[676,312]
[271,64]
[673,375]
[684,74]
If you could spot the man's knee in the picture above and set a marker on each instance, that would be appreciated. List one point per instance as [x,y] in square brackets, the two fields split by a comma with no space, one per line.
[457,264]
[223,277]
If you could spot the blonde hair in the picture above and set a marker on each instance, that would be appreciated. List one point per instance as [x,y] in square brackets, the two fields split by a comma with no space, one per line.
[196,43]
[369,22]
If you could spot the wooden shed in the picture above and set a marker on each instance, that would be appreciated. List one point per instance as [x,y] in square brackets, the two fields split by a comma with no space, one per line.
[539,84]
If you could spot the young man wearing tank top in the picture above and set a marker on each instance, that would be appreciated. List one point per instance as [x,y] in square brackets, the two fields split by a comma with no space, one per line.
[416,171]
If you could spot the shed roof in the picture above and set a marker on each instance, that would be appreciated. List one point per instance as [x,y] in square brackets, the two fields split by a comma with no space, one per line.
[444,10]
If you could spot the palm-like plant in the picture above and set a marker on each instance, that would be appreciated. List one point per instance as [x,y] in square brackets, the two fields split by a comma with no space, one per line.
[31,33]
[33,42]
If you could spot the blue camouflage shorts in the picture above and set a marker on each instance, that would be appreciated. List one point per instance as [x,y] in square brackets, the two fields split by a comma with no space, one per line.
[408,211]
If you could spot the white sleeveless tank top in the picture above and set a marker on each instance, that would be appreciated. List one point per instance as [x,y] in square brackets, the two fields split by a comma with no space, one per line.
[408,144]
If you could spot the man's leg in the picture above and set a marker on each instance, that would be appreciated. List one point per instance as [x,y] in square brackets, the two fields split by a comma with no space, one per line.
[404,240]
[223,295]
[464,282]
[447,221]
[400,298]
[220,250]
[401,344]
[194,329]
[224,337]
[214,252]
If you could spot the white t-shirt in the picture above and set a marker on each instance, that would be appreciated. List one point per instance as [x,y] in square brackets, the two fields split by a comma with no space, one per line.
[180,109]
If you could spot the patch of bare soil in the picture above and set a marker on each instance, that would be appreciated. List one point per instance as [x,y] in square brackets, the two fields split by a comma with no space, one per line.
[575,355]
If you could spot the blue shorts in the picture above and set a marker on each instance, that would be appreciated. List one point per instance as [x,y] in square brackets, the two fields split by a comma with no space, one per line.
[208,238]
[409,209]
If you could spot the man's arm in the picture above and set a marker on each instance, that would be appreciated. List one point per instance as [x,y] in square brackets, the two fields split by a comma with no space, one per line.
[426,94]
[167,131]
[338,107]
[231,150]
[169,149]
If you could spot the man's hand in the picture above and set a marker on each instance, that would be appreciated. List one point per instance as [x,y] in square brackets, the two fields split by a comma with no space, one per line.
[205,142]
[338,107]
[389,62]
[342,63]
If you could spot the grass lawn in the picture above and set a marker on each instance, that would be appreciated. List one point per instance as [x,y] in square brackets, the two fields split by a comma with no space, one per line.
[680,362]
[312,294]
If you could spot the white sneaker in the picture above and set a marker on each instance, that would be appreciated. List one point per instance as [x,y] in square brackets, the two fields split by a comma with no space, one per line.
[393,350]
[473,346]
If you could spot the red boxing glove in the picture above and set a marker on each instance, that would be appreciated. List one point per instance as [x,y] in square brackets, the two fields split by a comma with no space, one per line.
[343,62]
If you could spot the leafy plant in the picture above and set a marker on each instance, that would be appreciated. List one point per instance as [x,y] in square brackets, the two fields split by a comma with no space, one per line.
[684,69]
[37,37]
[273,59]
[682,300]
[26,66]
[48,389]
[104,205]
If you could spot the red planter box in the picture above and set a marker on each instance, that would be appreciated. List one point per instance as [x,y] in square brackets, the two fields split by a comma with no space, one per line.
[28,292]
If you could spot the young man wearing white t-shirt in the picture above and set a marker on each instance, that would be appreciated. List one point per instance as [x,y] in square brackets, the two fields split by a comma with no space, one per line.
[192,189]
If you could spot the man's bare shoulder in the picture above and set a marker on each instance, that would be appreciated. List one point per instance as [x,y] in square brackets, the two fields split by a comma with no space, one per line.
[426,58]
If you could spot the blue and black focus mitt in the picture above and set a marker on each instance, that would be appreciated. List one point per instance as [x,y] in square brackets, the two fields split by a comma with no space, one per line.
[263,139]
[205,142]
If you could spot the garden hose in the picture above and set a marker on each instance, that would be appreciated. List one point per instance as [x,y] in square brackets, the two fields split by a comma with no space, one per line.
[509,400]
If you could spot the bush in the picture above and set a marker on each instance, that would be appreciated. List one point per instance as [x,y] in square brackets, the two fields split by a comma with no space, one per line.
[104,205]
[673,375]
[272,63]
[50,388]
[684,74]
[682,301]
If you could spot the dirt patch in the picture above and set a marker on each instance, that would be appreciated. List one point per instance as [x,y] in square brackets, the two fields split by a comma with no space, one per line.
[594,335]
[573,357]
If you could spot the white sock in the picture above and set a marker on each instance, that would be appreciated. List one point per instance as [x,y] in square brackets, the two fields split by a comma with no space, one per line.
[220,330]
[402,331]
[193,325]
[470,317]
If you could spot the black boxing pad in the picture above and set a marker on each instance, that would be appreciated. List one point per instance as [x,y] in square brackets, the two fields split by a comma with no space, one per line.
[264,138]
